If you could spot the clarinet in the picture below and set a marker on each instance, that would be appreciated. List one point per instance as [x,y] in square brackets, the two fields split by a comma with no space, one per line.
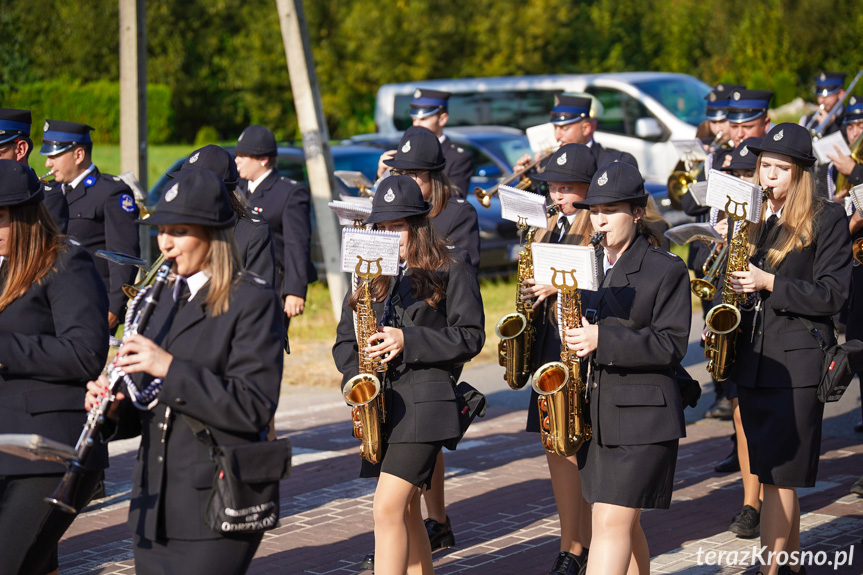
[65,494]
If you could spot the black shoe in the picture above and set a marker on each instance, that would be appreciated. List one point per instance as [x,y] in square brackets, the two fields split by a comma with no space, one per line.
[368,563]
[728,465]
[857,488]
[746,523]
[721,409]
[440,534]
[568,564]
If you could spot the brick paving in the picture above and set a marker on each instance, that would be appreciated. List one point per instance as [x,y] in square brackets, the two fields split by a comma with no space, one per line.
[498,496]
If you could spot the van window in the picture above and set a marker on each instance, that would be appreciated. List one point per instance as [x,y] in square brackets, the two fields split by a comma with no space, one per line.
[518,109]
[683,96]
[620,111]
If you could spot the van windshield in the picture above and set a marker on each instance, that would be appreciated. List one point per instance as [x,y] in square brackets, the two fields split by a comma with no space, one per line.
[682,95]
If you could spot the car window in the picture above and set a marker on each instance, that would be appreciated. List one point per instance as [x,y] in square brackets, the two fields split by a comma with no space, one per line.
[293,167]
[683,96]
[516,108]
[620,111]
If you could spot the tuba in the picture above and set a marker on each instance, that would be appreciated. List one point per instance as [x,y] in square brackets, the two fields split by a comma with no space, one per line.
[842,183]
[362,392]
[723,320]
[561,390]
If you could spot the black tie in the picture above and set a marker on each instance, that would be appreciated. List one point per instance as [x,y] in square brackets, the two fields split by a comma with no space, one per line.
[563,228]
[181,290]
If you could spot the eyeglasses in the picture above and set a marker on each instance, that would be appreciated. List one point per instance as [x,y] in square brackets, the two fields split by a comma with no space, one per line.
[413,174]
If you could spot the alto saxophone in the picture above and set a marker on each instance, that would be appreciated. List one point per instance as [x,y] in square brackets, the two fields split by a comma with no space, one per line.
[562,424]
[363,391]
[723,320]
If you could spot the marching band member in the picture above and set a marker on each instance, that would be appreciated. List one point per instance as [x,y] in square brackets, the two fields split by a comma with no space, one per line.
[433,321]
[54,336]
[747,114]
[429,110]
[800,269]
[217,348]
[568,174]
[639,335]
[829,91]
[102,210]
[853,123]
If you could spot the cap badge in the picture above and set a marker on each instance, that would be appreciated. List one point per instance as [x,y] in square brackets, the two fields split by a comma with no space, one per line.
[562,159]
[418,94]
[390,196]
[172,192]
[407,147]
[603,179]
[822,77]
[711,96]
[736,95]
[45,127]
[779,136]
[744,152]
[194,158]
[852,101]
[720,87]
[240,139]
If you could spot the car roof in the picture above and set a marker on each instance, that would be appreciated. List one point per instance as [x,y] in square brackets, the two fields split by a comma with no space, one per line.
[482,84]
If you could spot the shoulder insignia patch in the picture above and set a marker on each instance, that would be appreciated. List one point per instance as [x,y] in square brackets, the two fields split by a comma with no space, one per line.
[73,241]
[259,281]
[127,203]
[459,200]
[89,181]
[450,247]
[48,188]
[117,178]
[666,253]
[460,150]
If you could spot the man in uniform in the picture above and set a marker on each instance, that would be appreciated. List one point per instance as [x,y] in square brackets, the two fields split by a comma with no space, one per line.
[747,115]
[829,90]
[102,210]
[852,122]
[15,144]
[285,205]
[429,109]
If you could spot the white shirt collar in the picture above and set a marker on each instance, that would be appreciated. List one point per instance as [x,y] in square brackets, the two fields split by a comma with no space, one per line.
[74,183]
[195,282]
[770,212]
[570,217]
[606,265]
[254,185]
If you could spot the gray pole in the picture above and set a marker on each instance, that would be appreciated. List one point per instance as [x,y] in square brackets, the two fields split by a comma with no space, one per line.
[133,98]
[319,162]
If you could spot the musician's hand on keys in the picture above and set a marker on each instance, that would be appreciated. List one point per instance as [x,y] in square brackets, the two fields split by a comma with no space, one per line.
[722,228]
[582,340]
[386,156]
[752,280]
[844,164]
[389,341]
[537,293]
[522,162]
[96,391]
[141,355]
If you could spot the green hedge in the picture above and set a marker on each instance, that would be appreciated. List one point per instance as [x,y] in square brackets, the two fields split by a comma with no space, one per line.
[93,103]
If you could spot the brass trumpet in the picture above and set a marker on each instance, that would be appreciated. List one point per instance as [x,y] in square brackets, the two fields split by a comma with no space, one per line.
[842,183]
[131,290]
[705,287]
[858,250]
[484,196]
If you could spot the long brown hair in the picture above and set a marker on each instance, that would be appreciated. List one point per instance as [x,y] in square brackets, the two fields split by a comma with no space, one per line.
[223,262]
[428,259]
[441,190]
[34,245]
[797,229]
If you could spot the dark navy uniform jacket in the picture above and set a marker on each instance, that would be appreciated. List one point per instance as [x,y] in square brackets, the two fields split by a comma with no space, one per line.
[812,283]
[459,166]
[421,404]
[54,340]
[255,244]
[458,222]
[102,214]
[226,373]
[644,316]
[57,206]
[285,205]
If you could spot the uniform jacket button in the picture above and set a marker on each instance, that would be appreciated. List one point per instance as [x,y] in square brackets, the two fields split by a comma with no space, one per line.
[160,459]
[2,366]
[180,401]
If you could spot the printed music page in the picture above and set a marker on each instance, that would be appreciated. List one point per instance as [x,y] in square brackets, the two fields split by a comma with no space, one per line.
[350,212]
[373,247]
[691,150]
[515,204]
[825,145]
[698,190]
[726,190]
[685,233]
[541,138]
[856,194]
[550,260]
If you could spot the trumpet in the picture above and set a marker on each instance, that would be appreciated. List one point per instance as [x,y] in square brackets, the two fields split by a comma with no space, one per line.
[858,250]
[484,196]
[818,131]
[131,290]
[705,287]
[46,176]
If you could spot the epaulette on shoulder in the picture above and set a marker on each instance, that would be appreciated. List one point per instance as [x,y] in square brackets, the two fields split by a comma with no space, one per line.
[666,253]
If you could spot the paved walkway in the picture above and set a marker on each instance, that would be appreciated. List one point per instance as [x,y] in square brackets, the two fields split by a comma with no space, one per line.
[499,497]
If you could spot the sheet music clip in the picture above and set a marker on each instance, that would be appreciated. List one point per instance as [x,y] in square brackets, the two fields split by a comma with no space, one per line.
[357,180]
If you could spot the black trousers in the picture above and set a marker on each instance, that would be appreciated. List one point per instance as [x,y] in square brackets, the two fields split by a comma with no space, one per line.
[226,555]
[31,528]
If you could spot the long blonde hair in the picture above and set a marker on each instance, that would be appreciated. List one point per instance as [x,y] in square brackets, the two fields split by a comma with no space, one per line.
[223,263]
[798,216]
[34,245]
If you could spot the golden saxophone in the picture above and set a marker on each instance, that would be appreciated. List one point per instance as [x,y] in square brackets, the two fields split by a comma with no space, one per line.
[562,424]
[363,391]
[723,320]
[515,330]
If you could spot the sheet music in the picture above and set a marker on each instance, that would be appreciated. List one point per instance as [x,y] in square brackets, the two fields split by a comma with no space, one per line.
[722,186]
[823,146]
[515,204]
[36,448]
[685,233]
[691,150]
[353,179]
[370,245]
[699,192]
[856,194]
[541,138]
[564,258]
[350,212]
